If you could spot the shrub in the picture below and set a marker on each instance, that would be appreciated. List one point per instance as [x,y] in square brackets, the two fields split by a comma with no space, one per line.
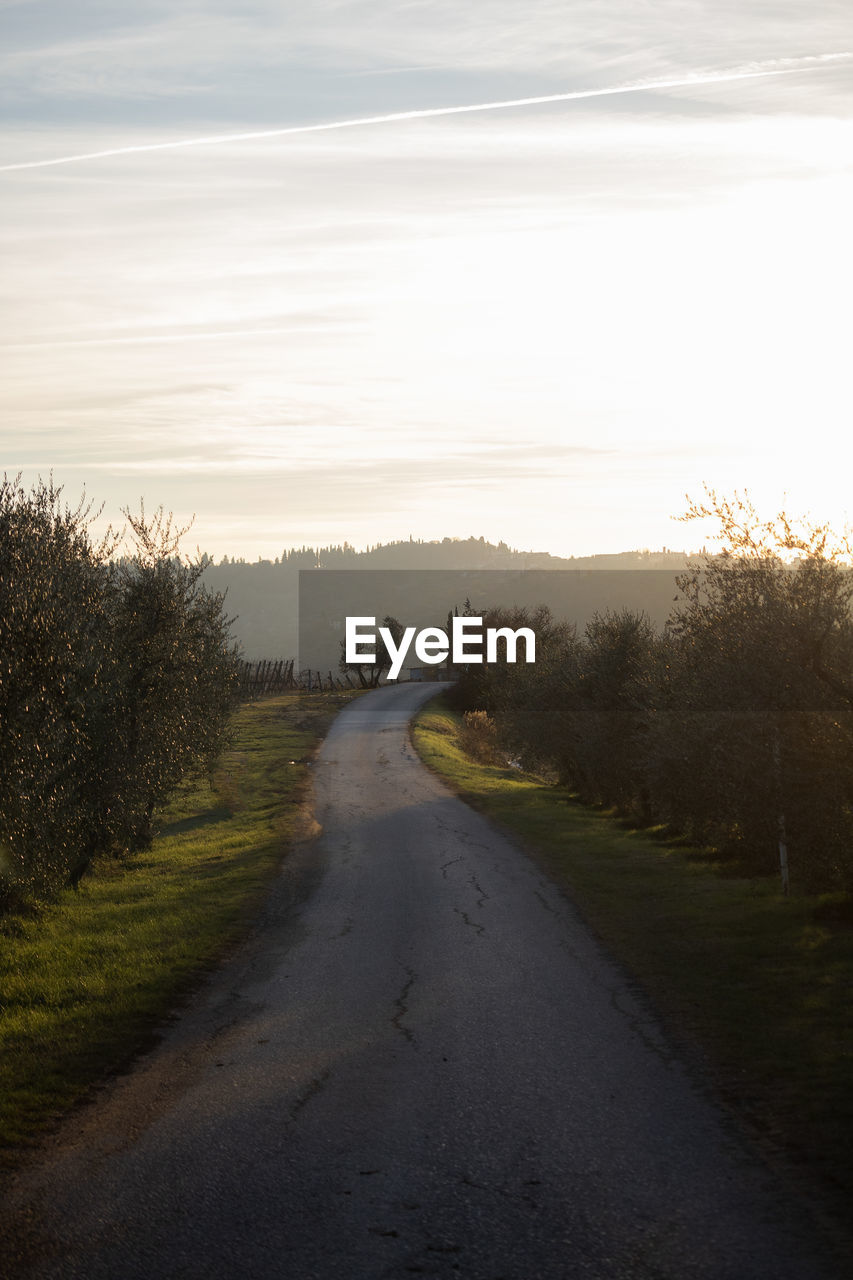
[479,738]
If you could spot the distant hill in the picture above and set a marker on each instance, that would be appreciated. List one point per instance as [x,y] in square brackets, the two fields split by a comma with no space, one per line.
[262,596]
[461,553]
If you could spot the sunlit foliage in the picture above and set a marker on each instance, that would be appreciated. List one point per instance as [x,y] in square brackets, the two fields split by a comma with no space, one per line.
[734,725]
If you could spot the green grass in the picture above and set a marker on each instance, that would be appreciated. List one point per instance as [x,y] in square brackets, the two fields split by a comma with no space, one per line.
[755,986]
[85,980]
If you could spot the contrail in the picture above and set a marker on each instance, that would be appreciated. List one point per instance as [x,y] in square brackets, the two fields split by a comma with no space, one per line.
[756,71]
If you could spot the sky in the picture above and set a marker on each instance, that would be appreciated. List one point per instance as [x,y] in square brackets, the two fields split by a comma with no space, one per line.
[543,323]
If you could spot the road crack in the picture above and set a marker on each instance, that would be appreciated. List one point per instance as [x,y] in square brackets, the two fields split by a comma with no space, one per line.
[312,1090]
[472,924]
[402,1008]
[483,898]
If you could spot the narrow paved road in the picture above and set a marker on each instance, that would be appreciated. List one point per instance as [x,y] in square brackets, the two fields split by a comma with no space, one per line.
[424,1067]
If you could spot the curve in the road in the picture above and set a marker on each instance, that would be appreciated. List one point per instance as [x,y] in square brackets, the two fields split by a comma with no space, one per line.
[423,1066]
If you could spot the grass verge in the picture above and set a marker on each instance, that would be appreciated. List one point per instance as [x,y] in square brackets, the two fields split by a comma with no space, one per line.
[85,979]
[755,984]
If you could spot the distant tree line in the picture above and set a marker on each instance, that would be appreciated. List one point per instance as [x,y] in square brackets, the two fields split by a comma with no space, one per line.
[116,675]
[732,726]
[448,553]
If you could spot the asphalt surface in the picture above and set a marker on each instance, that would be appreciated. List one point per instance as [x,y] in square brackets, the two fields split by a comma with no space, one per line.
[421,1063]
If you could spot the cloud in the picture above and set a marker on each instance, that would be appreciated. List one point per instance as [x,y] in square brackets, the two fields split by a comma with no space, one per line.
[268,58]
[297,326]
[480,468]
[523,319]
[789,66]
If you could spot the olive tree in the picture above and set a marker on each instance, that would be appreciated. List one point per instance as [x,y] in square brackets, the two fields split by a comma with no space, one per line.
[753,745]
[176,678]
[55,665]
[115,678]
[370,673]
